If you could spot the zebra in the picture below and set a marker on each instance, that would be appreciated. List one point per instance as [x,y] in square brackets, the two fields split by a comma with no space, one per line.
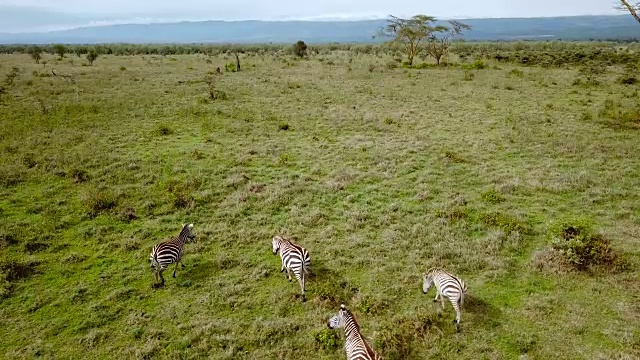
[294,258]
[168,252]
[447,285]
[355,345]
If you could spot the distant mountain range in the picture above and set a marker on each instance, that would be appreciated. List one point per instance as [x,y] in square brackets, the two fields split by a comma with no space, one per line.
[553,28]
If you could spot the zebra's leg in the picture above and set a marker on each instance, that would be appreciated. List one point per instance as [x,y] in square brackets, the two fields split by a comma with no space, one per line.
[161,277]
[436,298]
[454,302]
[442,301]
[175,268]
[289,275]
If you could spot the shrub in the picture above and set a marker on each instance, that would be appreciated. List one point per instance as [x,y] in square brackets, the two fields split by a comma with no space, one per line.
[300,49]
[476,65]
[163,130]
[391,65]
[78,175]
[123,68]
[399,340]
[326,339]
[283,127]
[516,73]
[230,67]
[628,79]
[492,197]
[504,222]
[92,56]
[582,247]
[214,94]
[468,75]
[36,53]
[97,202]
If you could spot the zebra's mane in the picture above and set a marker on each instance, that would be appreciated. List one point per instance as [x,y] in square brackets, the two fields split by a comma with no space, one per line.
[357,326]
[184,231]
[290,242]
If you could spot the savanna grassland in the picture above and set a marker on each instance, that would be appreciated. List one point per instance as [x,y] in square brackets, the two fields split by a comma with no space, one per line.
[379,171]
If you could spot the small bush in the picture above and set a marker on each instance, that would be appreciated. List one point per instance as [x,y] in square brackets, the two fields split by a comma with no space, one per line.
[326,339]
[516,73]
[398,341]
[468,75]
[78,175]
[492,197]
[628,79]
[391,65]
[581,246]
[163,130]
[92,56]
[372,67]
[476,65]
[99,201]
[123,68]
[300,49]
[283,127]
[504,222]
[230,67]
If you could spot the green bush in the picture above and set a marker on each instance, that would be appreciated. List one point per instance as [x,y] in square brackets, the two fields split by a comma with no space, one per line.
[326,339]
[577,241]
[492,197]
[99,201]
[476,65]
[504,222]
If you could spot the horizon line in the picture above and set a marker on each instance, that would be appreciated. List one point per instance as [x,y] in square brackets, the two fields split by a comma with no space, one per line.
[327,18]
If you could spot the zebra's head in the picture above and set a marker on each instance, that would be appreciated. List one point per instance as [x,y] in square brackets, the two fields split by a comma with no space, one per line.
[337,321]
[186,230]
[427,281]
[276,243]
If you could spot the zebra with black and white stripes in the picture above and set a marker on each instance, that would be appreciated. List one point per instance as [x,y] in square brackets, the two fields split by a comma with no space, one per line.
[295,259]
[169,252]
[447,285]
[355,345]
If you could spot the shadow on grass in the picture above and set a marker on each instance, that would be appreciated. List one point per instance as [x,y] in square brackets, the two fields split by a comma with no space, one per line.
[480,311]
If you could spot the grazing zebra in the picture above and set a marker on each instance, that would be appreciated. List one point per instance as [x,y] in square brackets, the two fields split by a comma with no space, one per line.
[355,345]
[169,252]
[446,285]
[294,258]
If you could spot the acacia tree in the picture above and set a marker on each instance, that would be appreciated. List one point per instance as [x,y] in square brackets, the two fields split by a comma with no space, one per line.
[440,39]
[36,53]
[60,50]
[411,34]
[633,9]
[92,55]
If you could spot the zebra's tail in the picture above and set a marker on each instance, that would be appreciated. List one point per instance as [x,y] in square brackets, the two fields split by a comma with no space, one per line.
[305,263]
[461,299]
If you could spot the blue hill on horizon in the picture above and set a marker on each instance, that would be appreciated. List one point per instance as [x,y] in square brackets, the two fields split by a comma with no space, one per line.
[605,27]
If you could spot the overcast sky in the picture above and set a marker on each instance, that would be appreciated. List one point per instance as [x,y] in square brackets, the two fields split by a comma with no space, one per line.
[72,13]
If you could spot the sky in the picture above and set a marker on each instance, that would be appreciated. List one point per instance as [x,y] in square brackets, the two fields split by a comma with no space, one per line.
[45,15]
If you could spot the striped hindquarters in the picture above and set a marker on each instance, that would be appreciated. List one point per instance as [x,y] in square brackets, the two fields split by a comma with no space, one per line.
[166,253]
[295,257]
[448,285]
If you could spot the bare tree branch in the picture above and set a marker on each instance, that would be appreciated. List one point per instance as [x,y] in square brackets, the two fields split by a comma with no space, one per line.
[633,9]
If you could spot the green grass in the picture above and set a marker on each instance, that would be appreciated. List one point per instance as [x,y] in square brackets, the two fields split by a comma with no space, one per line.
[379,174]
